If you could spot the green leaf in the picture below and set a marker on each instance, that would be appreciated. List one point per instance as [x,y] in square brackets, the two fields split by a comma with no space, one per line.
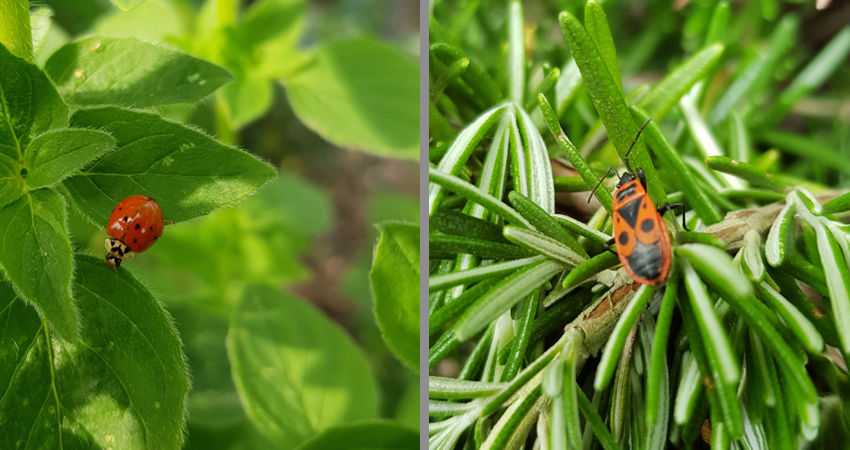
[245,100]
[609,102]
[260,241]
[101,70]
[12,185]
[837,205]
[816,72]
[540,243]
[595,422]
[446,247]
[542,191]
[614,345]
[666,94]
[544,222]
[297,373]
[152,21]
[270,29]
[575,157]
[460,150]
[597,27]
[30,105]
[808,148]
[377,435]
[471,192]
[395,288]
[469,276]
[503,297]
[722,361]
[35,255]
[126,5]
[121,384]
[59,153]
[837,276]
[793,318]
[751,262]
[745,171]
[663,149]
[360,94]
[780,237]
[516,52]
[187,172]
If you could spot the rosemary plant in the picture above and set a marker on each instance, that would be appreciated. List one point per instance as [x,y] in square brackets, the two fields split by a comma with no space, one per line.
[539,338]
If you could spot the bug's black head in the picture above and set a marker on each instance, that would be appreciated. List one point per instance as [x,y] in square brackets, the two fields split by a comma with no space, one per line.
[626,178]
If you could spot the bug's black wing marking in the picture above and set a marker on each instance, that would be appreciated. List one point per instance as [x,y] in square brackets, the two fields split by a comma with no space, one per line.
[645,261]
[629,211]
[625,193]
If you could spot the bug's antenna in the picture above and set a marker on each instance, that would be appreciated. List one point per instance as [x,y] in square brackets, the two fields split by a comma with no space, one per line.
[600,182]
[626,158]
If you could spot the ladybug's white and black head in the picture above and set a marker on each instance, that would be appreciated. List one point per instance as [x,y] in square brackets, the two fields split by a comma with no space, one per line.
[118,252]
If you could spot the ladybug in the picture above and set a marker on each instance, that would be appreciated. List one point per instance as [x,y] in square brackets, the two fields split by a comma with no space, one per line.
[135,224]
[643,244]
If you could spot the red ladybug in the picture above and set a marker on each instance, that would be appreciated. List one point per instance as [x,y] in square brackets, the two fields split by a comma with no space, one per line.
[135,224]
[643,244]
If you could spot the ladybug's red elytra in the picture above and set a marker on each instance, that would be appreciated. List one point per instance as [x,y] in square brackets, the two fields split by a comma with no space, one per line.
[643,244]
[135,224]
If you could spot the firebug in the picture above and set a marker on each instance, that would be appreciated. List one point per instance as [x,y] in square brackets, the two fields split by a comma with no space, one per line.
[641,237]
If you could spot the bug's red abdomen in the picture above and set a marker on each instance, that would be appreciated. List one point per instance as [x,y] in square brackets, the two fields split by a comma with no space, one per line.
[137,221]
[643,244]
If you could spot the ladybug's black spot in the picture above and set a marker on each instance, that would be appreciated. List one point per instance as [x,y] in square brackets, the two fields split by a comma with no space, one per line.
[624,238]
[137,226]
[150,228]
[126,219]
[647,225]
[156,238]
[135,240]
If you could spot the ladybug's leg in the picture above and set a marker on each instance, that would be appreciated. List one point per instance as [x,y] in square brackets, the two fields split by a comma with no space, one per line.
[168,222]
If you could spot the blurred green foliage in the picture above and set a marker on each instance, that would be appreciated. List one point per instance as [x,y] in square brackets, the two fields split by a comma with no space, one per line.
[309,232]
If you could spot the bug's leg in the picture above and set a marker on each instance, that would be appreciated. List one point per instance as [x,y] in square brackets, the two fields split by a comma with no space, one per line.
[668,207]
[168,222]
[592,191]
[608,245]
[680,205]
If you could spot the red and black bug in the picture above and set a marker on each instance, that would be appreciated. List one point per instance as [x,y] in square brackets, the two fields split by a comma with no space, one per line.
[643,244]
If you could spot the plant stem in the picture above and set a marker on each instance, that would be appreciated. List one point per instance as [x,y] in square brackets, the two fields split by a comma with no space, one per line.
[15,31]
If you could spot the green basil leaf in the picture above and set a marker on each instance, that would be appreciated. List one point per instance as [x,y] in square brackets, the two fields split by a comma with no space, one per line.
[188,173]
[121,384]
[296,372]
[35,254]
[30,105]
[245,100]
[100,70]
[58,153]
[126,5]
[271,29]
[395,287]
[377,435]
[11,183]
[360,94]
